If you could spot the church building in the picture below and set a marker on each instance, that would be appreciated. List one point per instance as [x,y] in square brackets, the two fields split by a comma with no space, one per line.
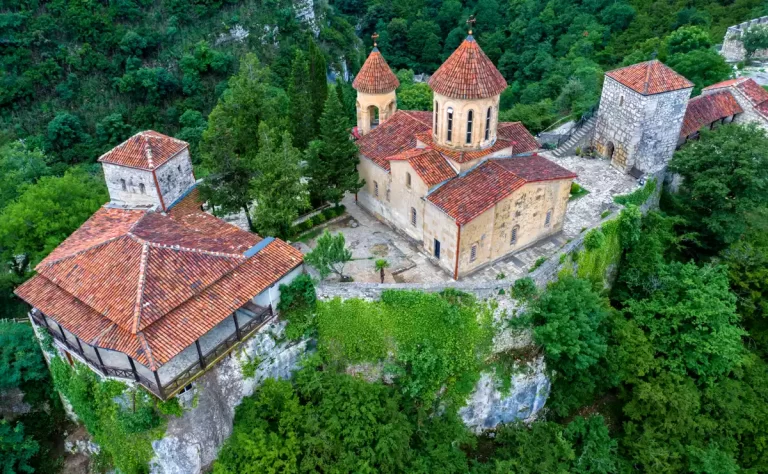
[470,189]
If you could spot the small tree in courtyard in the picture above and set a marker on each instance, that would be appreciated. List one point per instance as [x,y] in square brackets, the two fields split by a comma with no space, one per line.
[330,255]
[381,264]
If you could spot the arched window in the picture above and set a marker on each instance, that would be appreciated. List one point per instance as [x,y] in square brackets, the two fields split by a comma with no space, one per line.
[413,216]
[488,124]
[142,190]
[449,132]
[376,189]
[548,219]
[122,183]
[470,116]
[408,179]
[513,235]
[437,116]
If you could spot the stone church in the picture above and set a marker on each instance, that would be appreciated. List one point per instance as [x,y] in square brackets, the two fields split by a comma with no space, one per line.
[470,189]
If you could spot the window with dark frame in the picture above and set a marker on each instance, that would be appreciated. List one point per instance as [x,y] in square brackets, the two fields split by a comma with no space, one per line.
[376,189]
[413,216]
[122,183]
[473,253]
[488,124]
[449,132]
[513,235]
[470,117]
[142,189]
[548,219]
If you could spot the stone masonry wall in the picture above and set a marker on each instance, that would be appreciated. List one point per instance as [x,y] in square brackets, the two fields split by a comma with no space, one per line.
[619,118]
[661,126]
[134,178]
[733,49]
[174,177]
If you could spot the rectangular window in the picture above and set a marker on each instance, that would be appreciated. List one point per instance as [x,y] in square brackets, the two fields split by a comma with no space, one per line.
[470,117]
[548,219]
[122,184]
[376,189]
[488,124]
[449,132]
[387,194]
[413,216]
[473,253]
[513,236]
[437,249]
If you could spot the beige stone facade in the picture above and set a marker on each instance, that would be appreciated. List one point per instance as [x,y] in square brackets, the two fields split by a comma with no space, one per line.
[464,125]
[373,109]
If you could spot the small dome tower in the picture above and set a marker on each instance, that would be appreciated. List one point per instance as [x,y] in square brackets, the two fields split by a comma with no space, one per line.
[466,90]
[375,85]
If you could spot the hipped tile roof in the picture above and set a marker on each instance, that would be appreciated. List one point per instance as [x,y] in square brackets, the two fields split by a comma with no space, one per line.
[468,74]
[149,285]
[375,77]
[512,135]
[705,109]
[394,136]
[429,164]
[147,150]
[474,192]
[650,77]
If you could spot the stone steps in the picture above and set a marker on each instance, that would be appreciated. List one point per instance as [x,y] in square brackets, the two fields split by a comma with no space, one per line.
[570,145]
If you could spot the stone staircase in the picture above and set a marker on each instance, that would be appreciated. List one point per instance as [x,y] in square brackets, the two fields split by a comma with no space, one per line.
[577,138]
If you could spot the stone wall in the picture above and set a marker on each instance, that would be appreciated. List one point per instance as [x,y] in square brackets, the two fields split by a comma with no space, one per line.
[385,105]
[661,126]
[174,177]
[134,178]
[461,108]
[733,49]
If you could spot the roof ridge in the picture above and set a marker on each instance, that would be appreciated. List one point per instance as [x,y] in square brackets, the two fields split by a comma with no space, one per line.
[410,114]
[79,252]
[647,76]
[148,150]
[147,350]
[140,287]
[179,248]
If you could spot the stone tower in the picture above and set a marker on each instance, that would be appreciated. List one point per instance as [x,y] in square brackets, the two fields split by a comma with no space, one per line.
[149,170]
[641,112]
[375,85]
[466,90]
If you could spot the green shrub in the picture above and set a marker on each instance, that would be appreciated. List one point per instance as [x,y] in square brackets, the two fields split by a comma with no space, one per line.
[299,293]
[637,197]
[539,262]
[170,407]
[524,289]
[594,239]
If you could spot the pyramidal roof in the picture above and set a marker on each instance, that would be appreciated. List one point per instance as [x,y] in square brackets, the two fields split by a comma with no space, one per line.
[146,150]
[468,74]
[375,77]
[650,77]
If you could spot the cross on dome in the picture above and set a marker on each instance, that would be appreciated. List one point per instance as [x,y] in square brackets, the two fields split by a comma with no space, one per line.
[471,22]
[375,36]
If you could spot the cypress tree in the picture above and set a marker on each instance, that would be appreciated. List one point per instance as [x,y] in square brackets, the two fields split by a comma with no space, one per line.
[318,83]
[333,157]
[301,107]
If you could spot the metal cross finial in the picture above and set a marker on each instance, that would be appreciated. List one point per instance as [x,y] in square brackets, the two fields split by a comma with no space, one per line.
[471,22]
[375,36]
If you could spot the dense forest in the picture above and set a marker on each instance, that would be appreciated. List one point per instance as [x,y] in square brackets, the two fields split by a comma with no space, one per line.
[666,373]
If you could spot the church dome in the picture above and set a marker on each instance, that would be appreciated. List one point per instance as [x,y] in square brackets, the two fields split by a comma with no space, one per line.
[375,77]
[468,74]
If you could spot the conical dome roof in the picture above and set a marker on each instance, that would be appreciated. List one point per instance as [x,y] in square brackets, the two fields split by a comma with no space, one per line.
[468,74]
[375,77]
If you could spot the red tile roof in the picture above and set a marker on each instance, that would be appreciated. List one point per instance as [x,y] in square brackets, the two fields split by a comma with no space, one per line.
[520,137]
[705,109]
[146,150]
[149,285]
[394,136]
[375,77]
[476,191]
[726,83]
[756,94]
[429,164]
[650,77]
[468,74]
[511,135]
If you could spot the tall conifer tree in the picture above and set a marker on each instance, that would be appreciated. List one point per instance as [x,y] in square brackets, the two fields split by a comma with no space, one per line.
[301,107]
[318,87]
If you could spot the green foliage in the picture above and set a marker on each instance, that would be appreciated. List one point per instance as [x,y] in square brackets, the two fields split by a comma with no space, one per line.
[277,186]
[638,197]
[412,95]
[324,216]
[703,67]
[301,110]
[124,433]
[16,449]
[539,262]
[170,407]
[569,324]
[249,366]
[594,240]
[755,38]
[718,194]
[21,362]
[577,191]
[333,158]
[524,289]
[299,293]
[19,165]
[593,264]
[431,342]
[329,255]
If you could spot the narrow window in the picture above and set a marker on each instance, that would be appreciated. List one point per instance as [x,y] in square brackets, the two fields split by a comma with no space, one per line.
[513,237]
[142,189]
[376,189]
[621,101]
[488,124]
[470,116]
[179,168]
[387,194]
[548,219]
[122,183]
[437,117]
[449,132]
[473,253]
[408,179]
[413,216]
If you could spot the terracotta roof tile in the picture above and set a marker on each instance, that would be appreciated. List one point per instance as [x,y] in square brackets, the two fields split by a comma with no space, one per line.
[431,166]
[468,74]
[726,83]
[650,77]
[394,136]
[705,109]
[756,94]
[520,141]
[375,77]
[146,150]
[469,195]
[516,132]
[145,271]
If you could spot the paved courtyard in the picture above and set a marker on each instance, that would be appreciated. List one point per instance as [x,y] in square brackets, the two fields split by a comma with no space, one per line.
[370,239]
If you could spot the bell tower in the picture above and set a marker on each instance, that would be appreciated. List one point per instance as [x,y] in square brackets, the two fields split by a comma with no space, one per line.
[375,85]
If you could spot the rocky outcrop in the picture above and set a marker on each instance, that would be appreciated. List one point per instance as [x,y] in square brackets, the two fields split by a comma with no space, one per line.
[191,442]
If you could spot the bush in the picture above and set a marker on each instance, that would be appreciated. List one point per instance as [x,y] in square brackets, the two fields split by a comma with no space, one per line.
[524,289]
[594,239]
[297,294]
[639,196]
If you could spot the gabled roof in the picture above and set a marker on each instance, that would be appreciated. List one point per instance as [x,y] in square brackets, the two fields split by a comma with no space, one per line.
[429,164]
[705,109]
[474,192]
[750,89]
[512,135]
[375,77]
[147,150]
[394,136]
[650,77]
[149,285]
[468,74]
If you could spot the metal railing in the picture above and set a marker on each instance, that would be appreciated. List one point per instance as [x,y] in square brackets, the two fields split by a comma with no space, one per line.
[577,126]
[185,377]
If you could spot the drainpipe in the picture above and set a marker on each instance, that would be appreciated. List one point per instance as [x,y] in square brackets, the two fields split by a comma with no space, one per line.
[458,245]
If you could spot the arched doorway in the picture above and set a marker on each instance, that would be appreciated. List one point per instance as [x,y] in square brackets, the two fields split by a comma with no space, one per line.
[373,116]
[609,150]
